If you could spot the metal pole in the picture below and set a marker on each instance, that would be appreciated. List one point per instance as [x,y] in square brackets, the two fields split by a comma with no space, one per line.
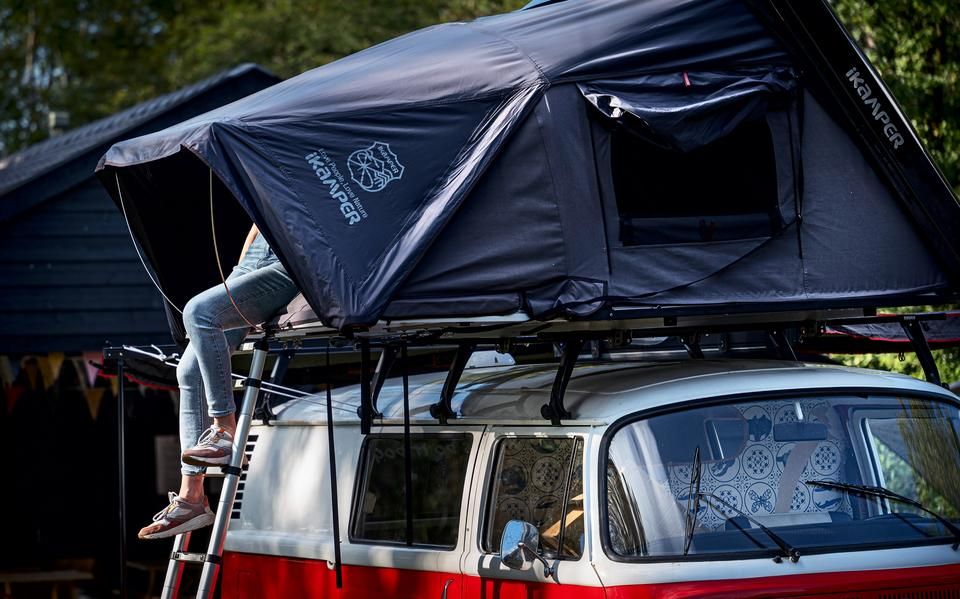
[407,451]
[334,495]
[122,467]
[211,566]
[171,582]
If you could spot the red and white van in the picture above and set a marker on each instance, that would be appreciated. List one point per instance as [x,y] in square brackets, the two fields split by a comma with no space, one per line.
[699,478]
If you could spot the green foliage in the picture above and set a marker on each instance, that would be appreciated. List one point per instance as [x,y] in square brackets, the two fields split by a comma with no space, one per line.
[915,46]
[87,57]
[948,360]
[91,58]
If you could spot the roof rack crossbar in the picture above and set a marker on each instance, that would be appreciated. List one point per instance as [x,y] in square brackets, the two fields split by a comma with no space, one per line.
[443,410]
[555,410]
[913,329]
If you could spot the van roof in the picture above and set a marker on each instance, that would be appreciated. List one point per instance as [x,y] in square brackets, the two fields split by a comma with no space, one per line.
[598,392]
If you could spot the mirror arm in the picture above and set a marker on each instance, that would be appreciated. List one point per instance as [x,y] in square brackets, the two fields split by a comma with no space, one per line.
[548,572]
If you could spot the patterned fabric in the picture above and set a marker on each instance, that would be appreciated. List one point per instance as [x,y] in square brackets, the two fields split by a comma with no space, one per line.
[531,481]
[751,480]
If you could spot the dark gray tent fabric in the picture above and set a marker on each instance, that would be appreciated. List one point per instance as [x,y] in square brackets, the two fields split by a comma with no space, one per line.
[501,165]
[688,110]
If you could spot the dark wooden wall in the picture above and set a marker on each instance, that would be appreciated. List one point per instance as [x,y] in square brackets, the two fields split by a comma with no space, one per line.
[70,279]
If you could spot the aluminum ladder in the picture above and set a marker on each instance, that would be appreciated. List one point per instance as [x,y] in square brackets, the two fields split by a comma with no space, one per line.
[211,560]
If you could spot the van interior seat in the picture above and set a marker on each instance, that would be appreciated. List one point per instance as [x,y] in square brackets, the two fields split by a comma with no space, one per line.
[752,480]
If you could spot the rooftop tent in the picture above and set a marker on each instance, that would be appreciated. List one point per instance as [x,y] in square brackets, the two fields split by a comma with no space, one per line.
[561,160]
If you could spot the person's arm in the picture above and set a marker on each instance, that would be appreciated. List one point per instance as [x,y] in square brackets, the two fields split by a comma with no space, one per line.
[254,231]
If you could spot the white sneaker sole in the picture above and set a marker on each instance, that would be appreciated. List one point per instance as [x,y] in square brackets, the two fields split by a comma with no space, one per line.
[195,461]
[192,524]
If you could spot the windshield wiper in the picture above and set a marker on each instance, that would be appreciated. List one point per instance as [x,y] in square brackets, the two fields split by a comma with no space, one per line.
[693,500]
[786,550]
[874,491]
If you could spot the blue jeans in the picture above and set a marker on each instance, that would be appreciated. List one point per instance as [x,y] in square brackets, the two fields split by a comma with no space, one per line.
[260,287]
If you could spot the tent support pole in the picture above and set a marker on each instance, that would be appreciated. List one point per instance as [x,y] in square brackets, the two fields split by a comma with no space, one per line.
[334,495]
[914,332]
[407,449]
[368,410]
[443,410]
[555,411]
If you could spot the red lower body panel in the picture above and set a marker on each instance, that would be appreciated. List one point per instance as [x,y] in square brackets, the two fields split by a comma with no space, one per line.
[933,582]
[247,576]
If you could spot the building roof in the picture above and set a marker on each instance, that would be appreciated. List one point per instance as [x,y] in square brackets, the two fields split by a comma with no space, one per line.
[41,158]
[70,279]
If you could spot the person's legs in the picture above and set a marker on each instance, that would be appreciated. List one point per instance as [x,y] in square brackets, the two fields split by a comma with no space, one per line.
[215,328]
[258,295]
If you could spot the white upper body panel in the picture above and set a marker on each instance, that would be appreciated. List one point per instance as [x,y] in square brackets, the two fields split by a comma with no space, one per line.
[286,503]
[598,392]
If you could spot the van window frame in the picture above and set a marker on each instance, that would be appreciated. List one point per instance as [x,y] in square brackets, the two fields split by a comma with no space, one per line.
[801,392]
[493,463]
[359,485]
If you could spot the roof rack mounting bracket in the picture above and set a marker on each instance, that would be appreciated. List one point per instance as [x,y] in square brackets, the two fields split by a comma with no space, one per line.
[914,332]
[265,410]
[368,407]
[555,411]
[388,357]
[780,344]
[691,343]
[443,410]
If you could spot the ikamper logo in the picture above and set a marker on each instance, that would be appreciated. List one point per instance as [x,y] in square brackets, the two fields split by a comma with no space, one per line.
[876,108]
[372,168]
[326,169]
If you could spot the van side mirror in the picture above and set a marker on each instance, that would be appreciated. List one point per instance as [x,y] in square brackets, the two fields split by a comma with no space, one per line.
[519,545]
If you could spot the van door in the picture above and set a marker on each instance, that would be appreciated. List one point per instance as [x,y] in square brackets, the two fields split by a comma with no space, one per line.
[534,474]
[384,558]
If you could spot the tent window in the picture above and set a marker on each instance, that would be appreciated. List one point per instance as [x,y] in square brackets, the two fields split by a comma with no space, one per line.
[439,470]
[722,191]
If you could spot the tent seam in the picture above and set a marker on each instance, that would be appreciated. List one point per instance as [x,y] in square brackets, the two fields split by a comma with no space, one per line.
[476,27]
[553,185]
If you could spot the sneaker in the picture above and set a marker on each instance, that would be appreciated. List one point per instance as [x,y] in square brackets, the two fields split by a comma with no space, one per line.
[180,516]
[214,448]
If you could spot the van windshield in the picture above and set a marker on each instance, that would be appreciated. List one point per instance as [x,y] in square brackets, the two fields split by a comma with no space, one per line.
[706,481]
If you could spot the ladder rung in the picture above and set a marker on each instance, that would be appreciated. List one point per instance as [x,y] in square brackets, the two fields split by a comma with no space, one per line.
[194,558]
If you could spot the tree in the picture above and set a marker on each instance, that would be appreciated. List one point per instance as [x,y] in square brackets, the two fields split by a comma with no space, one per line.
[914,45]
[89,58]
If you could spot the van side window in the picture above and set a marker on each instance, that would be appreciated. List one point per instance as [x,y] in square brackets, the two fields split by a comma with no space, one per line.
[439,467]
[539,480]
